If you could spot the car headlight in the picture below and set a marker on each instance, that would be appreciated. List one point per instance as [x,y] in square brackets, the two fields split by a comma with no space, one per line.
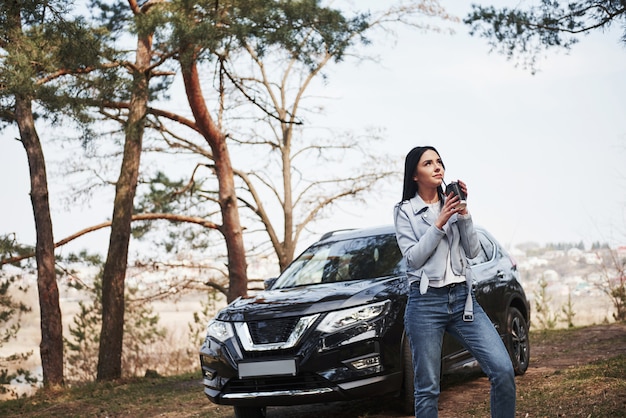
[220,330]
[335,321]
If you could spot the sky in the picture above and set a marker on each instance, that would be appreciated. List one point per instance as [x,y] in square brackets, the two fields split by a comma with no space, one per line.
[542,155]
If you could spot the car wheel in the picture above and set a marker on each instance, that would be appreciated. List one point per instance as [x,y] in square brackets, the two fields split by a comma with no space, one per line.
[407,394]
[249,411]
[517,341]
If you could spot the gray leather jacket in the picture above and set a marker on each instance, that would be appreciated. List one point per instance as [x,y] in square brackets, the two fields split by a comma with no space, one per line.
[419,239]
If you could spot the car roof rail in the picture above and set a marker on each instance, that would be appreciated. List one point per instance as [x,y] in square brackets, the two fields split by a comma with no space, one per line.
[336,231]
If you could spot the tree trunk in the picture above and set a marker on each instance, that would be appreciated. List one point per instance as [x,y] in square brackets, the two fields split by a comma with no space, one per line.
[287,249]
[231,225]
[51,347]
[112,334]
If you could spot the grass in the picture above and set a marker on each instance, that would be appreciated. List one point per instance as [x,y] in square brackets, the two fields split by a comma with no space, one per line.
[585,389]
[176,396]
[593,390]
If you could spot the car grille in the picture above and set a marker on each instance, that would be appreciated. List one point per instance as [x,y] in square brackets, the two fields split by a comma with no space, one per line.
[273,334]
[272,331]
[270,384]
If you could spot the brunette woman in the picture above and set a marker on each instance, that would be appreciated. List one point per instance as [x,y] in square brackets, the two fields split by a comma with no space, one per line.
[436,236]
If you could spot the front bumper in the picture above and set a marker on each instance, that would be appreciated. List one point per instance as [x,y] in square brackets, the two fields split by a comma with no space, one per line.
[294,395]
[358,365]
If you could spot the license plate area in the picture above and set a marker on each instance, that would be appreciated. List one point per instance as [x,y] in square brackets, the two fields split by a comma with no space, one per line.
[286,367]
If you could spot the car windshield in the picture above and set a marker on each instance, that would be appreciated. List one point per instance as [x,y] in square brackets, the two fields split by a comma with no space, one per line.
[345,260]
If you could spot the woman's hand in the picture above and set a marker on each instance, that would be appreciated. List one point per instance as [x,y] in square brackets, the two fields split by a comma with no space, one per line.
[464,189]
[451,206]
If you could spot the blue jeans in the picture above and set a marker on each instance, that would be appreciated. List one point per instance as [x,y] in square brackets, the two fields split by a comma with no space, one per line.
[427,318]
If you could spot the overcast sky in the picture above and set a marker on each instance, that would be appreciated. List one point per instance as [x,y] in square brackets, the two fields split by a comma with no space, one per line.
[543,155]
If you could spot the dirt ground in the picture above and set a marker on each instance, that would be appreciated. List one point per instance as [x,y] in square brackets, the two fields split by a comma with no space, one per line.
[585,346]
[579,347]
[546,390]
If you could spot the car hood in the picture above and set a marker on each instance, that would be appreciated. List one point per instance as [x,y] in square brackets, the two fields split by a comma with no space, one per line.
[309,300]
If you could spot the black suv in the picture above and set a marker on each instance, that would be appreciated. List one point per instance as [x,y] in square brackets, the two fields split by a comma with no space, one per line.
[330,327]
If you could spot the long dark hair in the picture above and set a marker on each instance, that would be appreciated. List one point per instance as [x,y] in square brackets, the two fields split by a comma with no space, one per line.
[409,187]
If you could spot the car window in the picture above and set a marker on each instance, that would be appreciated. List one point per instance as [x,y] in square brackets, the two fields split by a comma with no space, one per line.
[344,260]
[487,250]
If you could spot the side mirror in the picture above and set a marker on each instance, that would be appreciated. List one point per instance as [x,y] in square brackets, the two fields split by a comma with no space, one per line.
[267,283]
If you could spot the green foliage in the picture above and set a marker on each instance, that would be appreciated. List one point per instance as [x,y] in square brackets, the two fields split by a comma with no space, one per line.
[141,332]
[525,33]
[84,258]
[568,312]
[47,41]
[10,315]
[305,28]
[618,295]
[20,376]
[543,313]
[10,311]
[10,247]
[163,195]
[59,61]
[82,346]
[197,328]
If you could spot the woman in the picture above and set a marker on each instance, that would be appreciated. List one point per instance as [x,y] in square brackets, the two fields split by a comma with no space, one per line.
[436,236]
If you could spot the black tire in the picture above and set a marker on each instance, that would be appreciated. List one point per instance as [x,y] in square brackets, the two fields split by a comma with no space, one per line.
[249,411]
[517,340]
[407,394]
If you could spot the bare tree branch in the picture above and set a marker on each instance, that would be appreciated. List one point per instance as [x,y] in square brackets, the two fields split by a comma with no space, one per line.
[140,217]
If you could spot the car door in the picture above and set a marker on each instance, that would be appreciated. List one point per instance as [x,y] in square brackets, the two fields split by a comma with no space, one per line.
[485,272]
[488,274]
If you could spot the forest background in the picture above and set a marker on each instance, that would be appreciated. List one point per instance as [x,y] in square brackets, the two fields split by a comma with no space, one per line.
[553,147]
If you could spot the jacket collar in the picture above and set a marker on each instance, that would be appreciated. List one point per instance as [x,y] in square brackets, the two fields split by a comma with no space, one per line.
[417,204]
